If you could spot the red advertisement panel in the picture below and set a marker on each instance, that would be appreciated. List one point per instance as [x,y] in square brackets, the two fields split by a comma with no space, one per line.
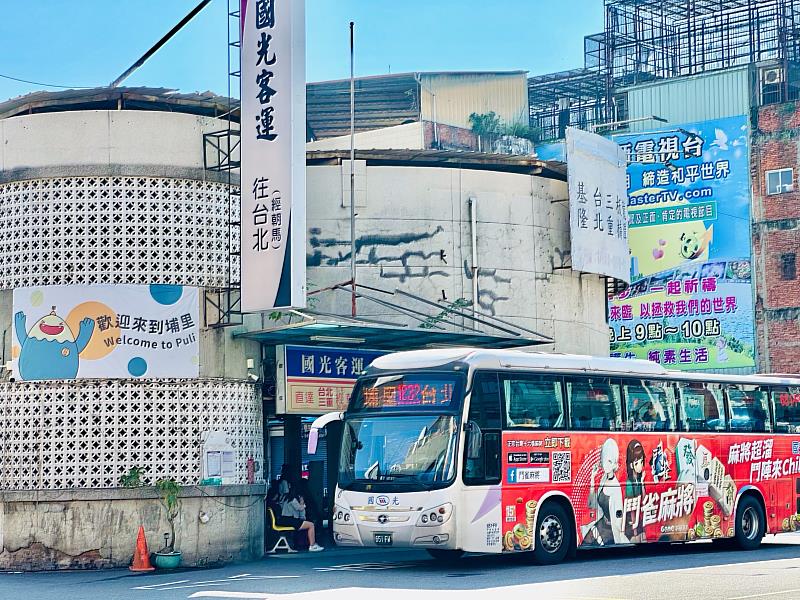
[647,486]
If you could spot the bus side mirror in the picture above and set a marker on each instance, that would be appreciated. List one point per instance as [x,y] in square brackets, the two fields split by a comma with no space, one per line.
[313,440]
[319,423]
[474,440]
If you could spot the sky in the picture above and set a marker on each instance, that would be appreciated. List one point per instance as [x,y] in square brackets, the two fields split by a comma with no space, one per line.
[87,43]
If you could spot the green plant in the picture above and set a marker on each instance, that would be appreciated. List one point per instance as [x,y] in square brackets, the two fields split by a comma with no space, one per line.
[489,125]
[521,130]
[169,495]
[485,124]
[133,478]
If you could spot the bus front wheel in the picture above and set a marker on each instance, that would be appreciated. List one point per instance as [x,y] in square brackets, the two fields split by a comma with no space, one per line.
[553,534]
[751,524]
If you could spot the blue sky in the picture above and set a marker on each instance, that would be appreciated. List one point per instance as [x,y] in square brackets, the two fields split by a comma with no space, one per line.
[90,42]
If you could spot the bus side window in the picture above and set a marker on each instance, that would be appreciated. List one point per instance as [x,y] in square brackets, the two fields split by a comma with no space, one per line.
[485,411]
[650,405]
[533,401]
[748,408]
[484,405]
[786,405]
[594,403]
[702,408]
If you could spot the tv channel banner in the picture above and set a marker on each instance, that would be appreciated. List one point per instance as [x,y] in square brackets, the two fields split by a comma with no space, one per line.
[105,331]
[690,302]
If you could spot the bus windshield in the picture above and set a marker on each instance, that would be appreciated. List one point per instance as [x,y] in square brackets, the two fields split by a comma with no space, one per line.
[415,452]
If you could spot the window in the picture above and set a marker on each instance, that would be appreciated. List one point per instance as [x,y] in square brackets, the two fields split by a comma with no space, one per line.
[779,181]
[786,404]
[485,411]
[594,403]
[748,407]
[533,401]
[702,408]
[484,405]
[788,266]
[650,404]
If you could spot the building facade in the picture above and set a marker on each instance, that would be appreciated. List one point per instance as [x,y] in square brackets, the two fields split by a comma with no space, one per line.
[114,202]
[112,213]
[776,235]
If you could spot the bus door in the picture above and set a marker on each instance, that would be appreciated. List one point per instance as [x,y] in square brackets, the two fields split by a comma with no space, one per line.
[479,517]
[785,404]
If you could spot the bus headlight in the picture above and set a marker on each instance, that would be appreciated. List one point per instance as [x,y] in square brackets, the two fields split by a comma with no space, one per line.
[342,516]
[433,517]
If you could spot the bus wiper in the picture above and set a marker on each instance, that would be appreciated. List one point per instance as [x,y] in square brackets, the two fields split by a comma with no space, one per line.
[392,476]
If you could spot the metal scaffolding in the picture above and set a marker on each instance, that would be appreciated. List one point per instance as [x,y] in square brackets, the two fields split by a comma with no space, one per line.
[650,40]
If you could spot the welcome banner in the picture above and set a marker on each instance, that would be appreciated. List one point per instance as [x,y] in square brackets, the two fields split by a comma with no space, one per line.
[105,331]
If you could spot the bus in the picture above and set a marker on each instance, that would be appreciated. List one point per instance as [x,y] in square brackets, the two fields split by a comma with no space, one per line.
[504,451]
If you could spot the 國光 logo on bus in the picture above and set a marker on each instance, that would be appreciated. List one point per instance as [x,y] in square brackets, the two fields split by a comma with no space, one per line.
[529,475]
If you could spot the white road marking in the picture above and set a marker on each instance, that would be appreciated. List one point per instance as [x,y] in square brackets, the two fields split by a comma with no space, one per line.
[360,567]
[158,585]
[764,595]
[176,585]
[216,594]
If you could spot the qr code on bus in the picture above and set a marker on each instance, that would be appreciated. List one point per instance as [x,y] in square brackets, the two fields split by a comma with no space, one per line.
[562,467]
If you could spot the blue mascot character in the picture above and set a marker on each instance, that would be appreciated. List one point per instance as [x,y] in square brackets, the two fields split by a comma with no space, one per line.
[49,349]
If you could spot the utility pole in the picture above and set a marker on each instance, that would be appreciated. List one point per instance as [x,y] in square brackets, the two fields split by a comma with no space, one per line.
[352,178]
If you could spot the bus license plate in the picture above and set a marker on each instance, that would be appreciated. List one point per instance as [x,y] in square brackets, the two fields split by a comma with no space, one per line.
[383,539]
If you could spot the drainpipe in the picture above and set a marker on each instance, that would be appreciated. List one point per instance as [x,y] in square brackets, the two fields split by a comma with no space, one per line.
[473,230]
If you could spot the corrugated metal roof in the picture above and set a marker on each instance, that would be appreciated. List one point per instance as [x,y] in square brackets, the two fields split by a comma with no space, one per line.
[106,98]
[389,100]
[380,102]
[689,99]
[446,158]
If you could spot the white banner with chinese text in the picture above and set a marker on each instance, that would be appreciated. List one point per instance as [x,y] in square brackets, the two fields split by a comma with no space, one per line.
[273,160]
[598,204]
[105,331]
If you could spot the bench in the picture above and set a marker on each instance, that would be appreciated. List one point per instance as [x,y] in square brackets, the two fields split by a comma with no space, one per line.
[277,535]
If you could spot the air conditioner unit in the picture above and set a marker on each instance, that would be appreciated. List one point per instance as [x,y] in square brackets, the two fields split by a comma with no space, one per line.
[772,75]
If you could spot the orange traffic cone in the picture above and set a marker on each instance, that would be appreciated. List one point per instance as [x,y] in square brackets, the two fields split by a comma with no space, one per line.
[141,556]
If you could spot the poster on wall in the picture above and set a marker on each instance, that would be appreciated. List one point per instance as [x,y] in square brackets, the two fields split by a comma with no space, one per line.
[273,159]
[690,302]
[597,201]
[105,331]
[316,380]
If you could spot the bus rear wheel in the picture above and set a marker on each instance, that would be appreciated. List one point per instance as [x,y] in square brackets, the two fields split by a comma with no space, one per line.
[751,524]
[553,534]
[445,555]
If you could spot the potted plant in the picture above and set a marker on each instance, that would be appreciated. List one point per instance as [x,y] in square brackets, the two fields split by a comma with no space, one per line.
[169,496]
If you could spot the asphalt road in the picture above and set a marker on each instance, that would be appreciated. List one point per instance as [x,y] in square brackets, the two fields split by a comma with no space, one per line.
[697,571]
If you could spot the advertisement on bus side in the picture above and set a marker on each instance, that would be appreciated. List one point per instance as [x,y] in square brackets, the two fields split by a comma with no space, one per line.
[629,488]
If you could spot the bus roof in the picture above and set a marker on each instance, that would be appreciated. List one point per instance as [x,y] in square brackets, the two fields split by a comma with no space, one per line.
[480,358]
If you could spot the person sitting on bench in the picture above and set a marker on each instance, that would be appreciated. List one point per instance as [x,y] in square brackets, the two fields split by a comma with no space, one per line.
[293,514]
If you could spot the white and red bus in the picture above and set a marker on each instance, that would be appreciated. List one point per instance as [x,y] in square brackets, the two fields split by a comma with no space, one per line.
[505,451]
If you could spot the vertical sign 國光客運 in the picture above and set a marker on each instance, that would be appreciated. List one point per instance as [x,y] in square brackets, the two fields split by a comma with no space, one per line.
[597,205]
[273,121]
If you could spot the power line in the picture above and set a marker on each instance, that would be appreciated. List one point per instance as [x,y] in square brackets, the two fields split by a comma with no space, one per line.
[66,87]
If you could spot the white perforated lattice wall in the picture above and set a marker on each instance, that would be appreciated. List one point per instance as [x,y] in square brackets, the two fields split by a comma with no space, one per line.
[74,434]
[84,230]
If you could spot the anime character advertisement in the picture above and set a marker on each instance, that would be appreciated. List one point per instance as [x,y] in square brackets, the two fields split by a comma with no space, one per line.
[117,331]
[630,488]
[690,302]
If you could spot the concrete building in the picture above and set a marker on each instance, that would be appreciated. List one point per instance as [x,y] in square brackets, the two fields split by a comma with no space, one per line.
[111,189]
